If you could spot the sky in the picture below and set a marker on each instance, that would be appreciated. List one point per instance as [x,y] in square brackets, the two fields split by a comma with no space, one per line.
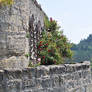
[74,17]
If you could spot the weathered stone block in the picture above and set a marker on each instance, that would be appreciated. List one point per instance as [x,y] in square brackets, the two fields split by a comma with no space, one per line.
[29,73]
[42,71]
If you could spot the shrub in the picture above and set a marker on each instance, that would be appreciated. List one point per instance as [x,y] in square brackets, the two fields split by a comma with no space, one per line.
[54,46]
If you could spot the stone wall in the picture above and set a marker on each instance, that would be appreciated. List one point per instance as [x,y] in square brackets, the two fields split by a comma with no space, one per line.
[14,26]
[61,78]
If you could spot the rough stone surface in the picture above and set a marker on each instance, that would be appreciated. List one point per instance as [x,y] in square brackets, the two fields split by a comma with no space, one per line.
[61,78]
[14,25]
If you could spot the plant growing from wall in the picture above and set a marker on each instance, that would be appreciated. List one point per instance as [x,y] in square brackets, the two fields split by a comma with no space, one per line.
[6,2]
[27,55]
[27,35]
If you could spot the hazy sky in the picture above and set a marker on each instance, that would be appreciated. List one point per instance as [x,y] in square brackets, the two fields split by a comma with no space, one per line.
[74,16]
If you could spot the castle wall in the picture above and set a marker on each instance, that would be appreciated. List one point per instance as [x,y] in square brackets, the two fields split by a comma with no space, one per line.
[54,78]
[14,27]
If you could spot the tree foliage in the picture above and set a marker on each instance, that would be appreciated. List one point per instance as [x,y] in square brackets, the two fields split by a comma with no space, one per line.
[83,50]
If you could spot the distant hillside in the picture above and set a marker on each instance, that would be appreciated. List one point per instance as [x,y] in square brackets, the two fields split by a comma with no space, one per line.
[83,50]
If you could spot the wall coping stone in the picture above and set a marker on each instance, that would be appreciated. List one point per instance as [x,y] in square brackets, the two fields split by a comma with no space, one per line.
[79,66]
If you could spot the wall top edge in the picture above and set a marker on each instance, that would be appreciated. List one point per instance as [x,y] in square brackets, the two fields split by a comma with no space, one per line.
[78,66]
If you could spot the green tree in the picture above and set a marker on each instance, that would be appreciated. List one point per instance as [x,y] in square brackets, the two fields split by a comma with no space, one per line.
[83,50]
